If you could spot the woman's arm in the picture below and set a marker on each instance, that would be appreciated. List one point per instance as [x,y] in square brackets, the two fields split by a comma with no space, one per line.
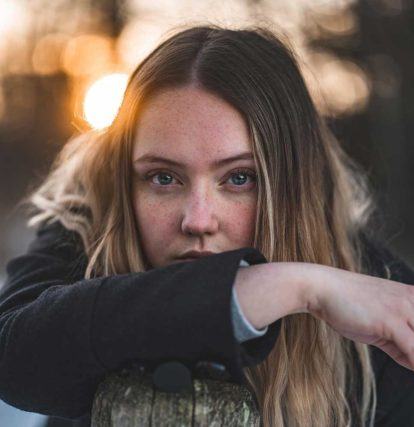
[60,334]
[316,286]
[360,307]
[268,292]
[367,309]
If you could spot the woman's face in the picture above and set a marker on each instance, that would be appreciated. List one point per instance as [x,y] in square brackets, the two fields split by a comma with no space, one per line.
[193,199]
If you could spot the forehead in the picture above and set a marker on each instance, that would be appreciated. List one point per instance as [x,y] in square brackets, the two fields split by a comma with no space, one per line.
[192,125]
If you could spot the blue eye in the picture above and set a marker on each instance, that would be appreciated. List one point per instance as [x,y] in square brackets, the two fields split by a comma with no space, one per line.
[163,181]
[243,172]
[239,178]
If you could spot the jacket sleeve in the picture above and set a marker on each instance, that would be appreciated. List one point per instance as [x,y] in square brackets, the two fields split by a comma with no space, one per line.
[243,329]
[61,334]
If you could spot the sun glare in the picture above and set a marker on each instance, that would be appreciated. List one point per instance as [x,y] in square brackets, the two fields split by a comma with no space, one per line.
[103,99]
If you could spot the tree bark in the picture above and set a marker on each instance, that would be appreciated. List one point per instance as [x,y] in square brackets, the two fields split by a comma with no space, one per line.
[129,399]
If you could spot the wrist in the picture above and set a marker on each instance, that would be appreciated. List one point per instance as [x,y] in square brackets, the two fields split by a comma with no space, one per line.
[311,286]
[270,291]
[300,279]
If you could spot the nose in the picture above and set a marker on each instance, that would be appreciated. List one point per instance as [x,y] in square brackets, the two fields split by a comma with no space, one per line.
[200,216]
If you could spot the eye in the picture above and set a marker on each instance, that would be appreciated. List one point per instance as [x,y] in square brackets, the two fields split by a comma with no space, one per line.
[163,181]
[240,176]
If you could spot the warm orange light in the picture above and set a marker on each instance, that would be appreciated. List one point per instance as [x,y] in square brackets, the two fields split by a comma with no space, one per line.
[137,39]
[2,104]
[88,54]
[103,99]
[10,13]
[46,57]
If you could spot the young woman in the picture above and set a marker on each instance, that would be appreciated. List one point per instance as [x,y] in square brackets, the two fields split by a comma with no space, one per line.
[215,219]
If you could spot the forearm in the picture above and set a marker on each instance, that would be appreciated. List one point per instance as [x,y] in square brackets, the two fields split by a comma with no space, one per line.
[267,292]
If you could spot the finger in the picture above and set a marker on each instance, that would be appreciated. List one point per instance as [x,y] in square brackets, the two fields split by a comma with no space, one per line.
[403,337]
[405,363]
[393,351]
[410,323]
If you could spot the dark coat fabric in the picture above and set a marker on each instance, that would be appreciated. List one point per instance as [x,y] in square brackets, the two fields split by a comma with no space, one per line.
[61,334]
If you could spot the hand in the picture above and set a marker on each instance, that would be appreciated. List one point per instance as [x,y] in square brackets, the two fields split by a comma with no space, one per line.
[367,309]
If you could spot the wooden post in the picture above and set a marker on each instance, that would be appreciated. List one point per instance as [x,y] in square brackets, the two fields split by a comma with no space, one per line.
[129,399]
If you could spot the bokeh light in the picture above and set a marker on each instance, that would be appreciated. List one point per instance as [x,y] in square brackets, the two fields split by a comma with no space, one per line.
[2,102]
[88,54]
[332,22]
[46,58]
[339,87]
[138,39]
[103,98]
[10,13]
[15,21]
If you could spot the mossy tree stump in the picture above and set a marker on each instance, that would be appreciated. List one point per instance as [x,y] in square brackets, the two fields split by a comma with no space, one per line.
[129,399]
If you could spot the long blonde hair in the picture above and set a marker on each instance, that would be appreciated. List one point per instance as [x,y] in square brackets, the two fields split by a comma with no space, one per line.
[313,201]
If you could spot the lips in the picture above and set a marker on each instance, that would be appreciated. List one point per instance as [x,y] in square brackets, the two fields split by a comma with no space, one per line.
[195,254]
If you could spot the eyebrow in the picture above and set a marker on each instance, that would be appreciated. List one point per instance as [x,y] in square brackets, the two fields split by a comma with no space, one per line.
[148,158]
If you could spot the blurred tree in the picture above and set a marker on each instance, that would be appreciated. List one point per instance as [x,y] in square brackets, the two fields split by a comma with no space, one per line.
[379,137]
[114,13]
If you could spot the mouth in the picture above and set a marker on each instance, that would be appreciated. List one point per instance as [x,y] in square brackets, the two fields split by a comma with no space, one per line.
[190,255]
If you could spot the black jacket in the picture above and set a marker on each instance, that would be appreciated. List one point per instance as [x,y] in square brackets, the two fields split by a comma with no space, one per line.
[61,334]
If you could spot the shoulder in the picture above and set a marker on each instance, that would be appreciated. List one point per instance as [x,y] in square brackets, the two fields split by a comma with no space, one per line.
[55,251]
[395,384]
[56,239]
[382,261]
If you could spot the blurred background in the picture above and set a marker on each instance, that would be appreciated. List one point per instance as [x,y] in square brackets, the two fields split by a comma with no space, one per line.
[64,66]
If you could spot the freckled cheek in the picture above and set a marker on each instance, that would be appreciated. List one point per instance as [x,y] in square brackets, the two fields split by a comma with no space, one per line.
[154,217]
[240,222]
